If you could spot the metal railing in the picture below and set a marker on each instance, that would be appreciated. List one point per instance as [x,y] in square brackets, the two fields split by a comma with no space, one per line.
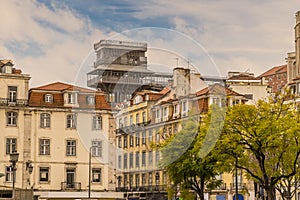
[17,102]
[151,188]
[70,186]
[241,186]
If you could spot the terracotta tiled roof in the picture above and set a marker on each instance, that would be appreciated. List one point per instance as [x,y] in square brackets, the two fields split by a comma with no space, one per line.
[165,90]
[217,89]
[59,86]
[36,96]
[274,70]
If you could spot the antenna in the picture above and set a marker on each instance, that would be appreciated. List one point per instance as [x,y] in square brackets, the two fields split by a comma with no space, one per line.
[177,61]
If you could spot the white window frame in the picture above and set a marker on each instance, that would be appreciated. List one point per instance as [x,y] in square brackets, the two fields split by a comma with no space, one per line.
[48,98]
[45,120]
[71,121]
[12,94]
[72,98]
[9,174]
[44,173]
[71,148]
[44,146]
[97,122]
[12,118]
[97,175]
[11,145]
[97,148]
[91,100]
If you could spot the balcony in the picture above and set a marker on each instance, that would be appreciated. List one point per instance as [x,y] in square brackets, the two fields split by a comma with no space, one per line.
[132,128]
[17,102]
[151,188]
[70,186]
[241,186]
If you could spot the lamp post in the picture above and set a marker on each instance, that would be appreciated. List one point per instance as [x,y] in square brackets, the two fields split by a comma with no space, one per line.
[14,157]
[29,168]
[90,169]
[90,163]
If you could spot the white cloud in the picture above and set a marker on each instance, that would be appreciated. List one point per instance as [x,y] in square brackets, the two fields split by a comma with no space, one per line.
[233,29]
[60,38]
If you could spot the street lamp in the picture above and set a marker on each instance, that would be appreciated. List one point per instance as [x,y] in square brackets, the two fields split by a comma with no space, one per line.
[14,157]
[90,169]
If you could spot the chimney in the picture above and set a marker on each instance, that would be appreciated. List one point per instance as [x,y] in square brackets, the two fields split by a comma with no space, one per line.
[181,82]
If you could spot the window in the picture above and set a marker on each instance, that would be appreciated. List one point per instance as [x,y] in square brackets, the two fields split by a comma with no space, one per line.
[44,174]
[48,98]
[125,141]
[150,136]
[131,140]
[150,158]
[176,109]
[157,137]
[8,174]
[131,160]
[96,172]
[120,142]
[120,123]
[72,98]
[144,116]
[90,100]
[137,180]
[184,108]
[130,120]
[137,118]
[130,180]
[44,146]
[157,158]
[119,162]
[143,179]
[71,121]
[12,94]
[143,158]
[125,121]
[97,122]
[45,120]
[11,145]
[12,118]
[165,113]
[150,179]
[137,139]
[144,137]
[158,118]
[71,148]
[137,159]
[97,148]
[125,161]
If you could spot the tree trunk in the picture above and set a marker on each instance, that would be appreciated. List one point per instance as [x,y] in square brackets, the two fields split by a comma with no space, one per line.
[271,193]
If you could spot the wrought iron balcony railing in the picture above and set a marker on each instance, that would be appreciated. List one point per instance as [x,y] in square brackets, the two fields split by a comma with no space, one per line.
[241,186]
[70,186]
[9,102]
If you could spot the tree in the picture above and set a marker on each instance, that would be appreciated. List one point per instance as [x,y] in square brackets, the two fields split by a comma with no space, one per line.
[187,155]
[263,140]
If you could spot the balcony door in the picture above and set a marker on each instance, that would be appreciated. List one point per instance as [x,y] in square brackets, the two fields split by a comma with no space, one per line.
[71,177]
[12,94]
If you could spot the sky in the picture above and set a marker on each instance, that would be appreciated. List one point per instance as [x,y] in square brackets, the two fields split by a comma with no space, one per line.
[52,40]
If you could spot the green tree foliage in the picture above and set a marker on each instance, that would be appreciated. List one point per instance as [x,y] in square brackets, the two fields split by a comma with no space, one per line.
[264,140]
[187,155]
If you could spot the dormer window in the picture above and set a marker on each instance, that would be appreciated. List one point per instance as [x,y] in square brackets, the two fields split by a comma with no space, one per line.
[72,98]
[90,100]
[138,99]
[48,98]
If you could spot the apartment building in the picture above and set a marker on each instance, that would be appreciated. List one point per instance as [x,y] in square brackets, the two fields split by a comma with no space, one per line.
[64,133]
[150,118]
